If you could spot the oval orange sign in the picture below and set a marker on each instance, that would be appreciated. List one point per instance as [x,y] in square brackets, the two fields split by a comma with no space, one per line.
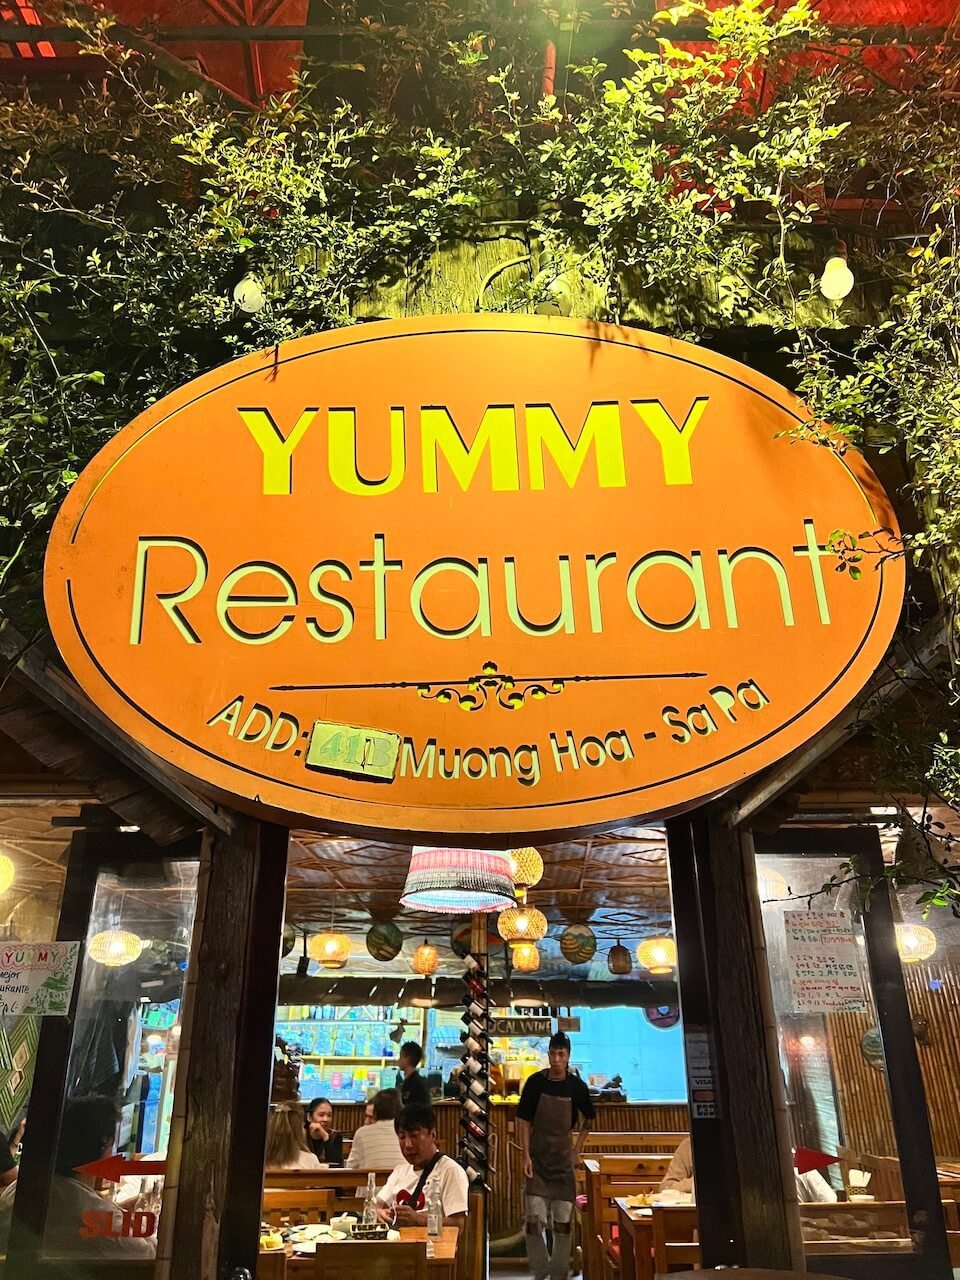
[482,575]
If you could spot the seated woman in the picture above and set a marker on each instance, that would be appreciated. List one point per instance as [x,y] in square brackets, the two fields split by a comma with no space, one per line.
[287,1140]
[323,1139]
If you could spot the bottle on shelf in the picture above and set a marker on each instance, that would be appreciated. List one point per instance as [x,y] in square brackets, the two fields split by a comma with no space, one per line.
[370,1201]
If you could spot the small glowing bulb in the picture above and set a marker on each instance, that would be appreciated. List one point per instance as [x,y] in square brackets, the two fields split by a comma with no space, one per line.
[249,296]
[837,279]
[808,1042]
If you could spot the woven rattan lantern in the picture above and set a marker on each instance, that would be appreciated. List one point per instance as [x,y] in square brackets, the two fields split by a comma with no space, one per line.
[772,885]
[522,924]
[526,867]
[915,942]
[330,950]
[458,881]
[425,959]
[619,960]
[658,955]
[525,957]
[115,947]
[7,872]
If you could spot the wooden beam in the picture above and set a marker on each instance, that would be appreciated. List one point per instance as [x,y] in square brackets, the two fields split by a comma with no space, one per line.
[906,664]
[130,763]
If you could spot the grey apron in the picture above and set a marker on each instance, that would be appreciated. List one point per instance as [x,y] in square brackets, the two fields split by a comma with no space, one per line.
[551,1151]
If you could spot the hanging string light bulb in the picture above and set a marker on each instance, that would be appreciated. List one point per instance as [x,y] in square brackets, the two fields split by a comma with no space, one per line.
[837,280]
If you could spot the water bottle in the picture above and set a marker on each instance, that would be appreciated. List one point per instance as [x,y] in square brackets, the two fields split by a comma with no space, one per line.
[370,1201]
[434,1215]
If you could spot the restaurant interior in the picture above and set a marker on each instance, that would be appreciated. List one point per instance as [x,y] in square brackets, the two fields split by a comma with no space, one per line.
[361,974]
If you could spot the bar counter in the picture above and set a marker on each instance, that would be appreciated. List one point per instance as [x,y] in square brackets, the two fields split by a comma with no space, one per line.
[506,1183]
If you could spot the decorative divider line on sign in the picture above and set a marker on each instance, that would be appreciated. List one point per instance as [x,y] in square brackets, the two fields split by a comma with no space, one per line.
[475,1076]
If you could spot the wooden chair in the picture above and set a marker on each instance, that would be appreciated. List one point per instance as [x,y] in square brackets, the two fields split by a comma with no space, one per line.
[371,1262]
[627,1176]
[842,1227]
[471,1243]
[675,1246]
[283,1206]
[886,1184]
[272,1265]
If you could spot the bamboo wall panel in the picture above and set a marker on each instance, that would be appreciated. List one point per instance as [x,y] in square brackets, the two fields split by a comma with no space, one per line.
[861,1090]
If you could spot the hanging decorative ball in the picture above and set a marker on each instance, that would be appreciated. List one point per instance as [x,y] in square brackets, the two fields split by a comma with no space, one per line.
[289,940]
[619,960]
[522,924]
[115,947]
[915,942]
[425,959]
[658,955]
[578,943]
[7,872]
[384,941]
[526,957]
[330,950]
[663,1017]
[871,1047]
[526,867]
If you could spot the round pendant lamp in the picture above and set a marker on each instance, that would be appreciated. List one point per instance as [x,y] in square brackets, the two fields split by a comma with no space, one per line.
[658,955]
[522,924]
[619,960]
[115,947]
[915,942]
[525,957]
[772,885]
[7,872]
[330,950]
[578,944]
[425,959]
[526,867]
[458,881]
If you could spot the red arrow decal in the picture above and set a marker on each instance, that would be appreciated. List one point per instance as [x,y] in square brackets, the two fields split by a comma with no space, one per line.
[113,1168]
[805,1159]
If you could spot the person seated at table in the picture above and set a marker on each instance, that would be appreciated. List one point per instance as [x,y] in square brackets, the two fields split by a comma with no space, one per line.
[402,1201]
[368,1113]
[323,1139]
[78,1220]
[811,1187]
[376,1146]
[286,1139]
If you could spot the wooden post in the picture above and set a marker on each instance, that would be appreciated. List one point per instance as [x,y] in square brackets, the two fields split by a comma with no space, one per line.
[228,1065]
[744,1216]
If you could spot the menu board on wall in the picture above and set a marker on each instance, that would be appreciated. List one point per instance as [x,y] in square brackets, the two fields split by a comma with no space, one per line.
[823,962]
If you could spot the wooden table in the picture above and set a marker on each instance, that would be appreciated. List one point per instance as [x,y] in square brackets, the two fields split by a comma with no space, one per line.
[635,1238]
[439,1267]
[752,1273]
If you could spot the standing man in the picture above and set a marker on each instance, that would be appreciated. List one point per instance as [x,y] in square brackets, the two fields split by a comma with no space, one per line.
[554,1115]
[414,1090]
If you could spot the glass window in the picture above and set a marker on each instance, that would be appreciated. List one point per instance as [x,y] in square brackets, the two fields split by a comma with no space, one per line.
[123,1063]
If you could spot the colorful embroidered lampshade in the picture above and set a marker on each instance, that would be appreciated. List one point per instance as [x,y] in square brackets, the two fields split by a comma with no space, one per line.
[619,959]
[115,947]
[526,957]
[330,950]
[915,942]
[458,881]
[658,955]
[522,924]
[425,959]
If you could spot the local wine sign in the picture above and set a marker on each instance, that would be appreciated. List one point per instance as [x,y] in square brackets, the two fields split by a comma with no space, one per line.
[483,575]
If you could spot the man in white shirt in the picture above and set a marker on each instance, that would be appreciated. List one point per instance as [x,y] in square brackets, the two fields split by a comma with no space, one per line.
[403,1199]
[376,1146]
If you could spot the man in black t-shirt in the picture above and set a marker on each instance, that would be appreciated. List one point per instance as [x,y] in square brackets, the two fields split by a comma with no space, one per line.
[552,1105]
[414,1090]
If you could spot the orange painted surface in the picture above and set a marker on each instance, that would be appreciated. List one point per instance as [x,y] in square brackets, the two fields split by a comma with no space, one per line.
[578,570]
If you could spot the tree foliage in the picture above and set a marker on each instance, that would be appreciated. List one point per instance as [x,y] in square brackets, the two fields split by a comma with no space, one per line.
[703,188]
